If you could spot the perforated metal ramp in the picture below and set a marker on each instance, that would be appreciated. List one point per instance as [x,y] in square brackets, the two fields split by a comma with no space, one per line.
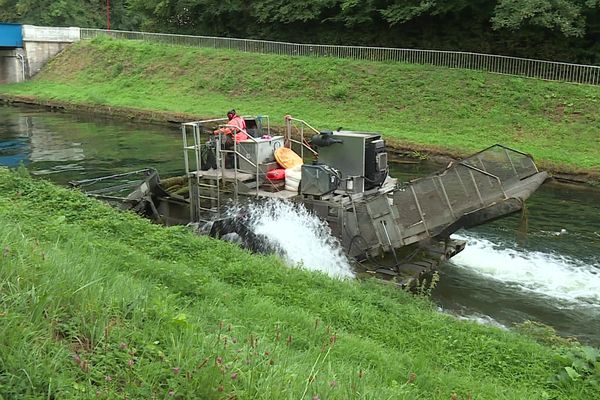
[490,184]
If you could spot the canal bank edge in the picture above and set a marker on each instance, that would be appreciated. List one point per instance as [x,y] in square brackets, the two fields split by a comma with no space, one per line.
[399,150]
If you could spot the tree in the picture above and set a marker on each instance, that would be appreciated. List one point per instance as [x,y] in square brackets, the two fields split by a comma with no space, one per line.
[566,15]
[86,13]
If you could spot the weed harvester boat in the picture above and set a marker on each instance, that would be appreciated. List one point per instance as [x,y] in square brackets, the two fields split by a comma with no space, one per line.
[401,230]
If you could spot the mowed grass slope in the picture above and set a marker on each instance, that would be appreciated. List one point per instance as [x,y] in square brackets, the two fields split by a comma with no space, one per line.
[101,304]
[456,111]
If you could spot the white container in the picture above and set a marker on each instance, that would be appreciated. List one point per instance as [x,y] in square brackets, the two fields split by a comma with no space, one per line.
[292,178]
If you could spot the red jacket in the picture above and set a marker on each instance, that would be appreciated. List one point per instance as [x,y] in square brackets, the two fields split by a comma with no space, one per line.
[236,127]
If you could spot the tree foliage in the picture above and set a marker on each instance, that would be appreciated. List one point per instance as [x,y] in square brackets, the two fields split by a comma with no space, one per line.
[558,29]
[83,13]
[568,16]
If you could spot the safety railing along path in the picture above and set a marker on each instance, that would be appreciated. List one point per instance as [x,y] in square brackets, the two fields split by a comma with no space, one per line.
[516,66]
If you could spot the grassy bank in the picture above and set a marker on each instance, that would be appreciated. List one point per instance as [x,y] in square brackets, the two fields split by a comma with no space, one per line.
[101,304]
[454,111]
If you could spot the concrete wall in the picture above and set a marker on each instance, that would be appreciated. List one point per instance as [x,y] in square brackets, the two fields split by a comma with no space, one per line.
[42,43]
[39,53]
[51,34]
[13,66]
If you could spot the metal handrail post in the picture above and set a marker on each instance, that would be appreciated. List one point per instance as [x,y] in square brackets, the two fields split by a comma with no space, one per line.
[473,168]
[412,189]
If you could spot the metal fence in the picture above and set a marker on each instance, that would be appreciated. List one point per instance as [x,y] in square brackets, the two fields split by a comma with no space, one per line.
[549,70]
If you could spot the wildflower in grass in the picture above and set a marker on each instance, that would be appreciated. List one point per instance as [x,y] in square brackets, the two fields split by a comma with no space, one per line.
[333,383]
[123,346]
[316,397]
[130,362]
[219,360]
[108,378]
[171,392]
[411,377]
[220,388]
[234,376]
[176,370]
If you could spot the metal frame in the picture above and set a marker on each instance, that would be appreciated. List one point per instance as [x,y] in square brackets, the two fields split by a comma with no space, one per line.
[302,142]
[438,180]
[219,177]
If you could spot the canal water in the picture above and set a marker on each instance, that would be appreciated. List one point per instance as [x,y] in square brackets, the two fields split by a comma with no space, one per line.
[542,266]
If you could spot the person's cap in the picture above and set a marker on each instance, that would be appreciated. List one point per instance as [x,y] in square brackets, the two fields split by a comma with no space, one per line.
[232,111]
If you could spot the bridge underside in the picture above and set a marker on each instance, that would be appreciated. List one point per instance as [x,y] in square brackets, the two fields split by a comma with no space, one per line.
[12,65]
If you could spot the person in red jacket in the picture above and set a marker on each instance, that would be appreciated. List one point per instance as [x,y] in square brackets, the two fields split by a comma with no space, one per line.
[236,127]
[234,130]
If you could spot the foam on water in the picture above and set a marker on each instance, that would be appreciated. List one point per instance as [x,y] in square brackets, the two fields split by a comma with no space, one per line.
[545,274]
[306,241]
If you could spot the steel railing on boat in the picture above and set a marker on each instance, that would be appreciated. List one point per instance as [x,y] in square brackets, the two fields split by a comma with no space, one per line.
[479,181]
[289,134]
[198,170]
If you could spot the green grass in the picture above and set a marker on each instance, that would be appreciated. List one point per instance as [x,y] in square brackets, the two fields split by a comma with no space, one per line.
[101,304]
[454,111]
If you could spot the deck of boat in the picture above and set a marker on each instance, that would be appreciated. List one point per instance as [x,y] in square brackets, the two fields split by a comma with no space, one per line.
[246,179]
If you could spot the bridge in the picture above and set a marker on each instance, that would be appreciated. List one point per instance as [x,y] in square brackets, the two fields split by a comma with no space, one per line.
[24,49]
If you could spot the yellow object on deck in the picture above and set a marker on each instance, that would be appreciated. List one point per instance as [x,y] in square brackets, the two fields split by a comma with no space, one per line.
[287,158]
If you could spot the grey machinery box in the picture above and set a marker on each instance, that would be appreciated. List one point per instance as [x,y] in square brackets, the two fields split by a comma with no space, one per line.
[318,179]
[361,160]
[264,148]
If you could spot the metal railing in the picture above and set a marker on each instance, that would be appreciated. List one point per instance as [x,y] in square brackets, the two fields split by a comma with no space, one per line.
[294,126]
[433,202]
[541,69]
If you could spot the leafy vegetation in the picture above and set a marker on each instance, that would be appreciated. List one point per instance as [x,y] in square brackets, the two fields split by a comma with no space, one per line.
[562,30]
[87,13]
[101,304]
[579,363]
[453,111]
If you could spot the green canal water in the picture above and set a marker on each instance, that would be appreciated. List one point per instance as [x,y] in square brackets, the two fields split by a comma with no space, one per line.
[502,277]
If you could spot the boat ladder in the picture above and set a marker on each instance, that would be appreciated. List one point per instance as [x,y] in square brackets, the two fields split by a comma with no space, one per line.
[206,188]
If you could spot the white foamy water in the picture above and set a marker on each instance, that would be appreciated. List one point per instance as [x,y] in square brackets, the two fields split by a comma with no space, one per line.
[482,320]
[478,318]
[305,240]
[546,274]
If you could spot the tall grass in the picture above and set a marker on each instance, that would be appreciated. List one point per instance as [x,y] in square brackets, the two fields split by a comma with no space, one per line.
[101,304]
[454,111]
